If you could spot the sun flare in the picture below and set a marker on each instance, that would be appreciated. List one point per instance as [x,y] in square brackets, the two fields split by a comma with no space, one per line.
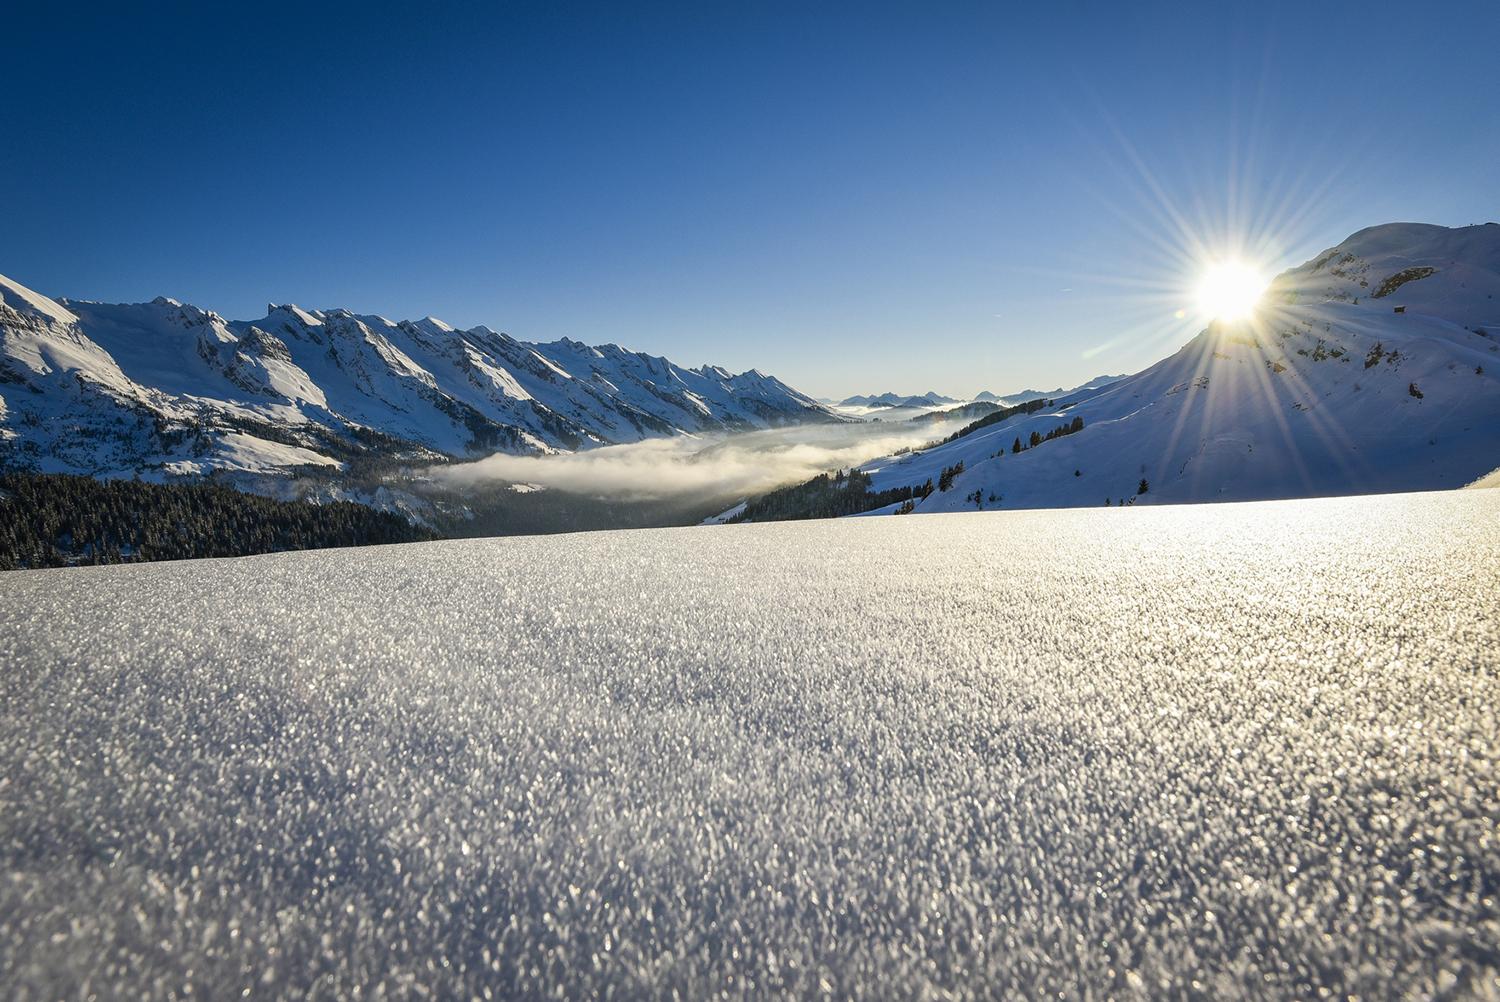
[1230,290]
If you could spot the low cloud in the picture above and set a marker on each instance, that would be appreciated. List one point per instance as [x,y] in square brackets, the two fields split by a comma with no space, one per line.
[734,465]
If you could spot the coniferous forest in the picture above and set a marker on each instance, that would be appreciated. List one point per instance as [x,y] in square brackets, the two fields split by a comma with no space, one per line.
[54,520]
[826,496]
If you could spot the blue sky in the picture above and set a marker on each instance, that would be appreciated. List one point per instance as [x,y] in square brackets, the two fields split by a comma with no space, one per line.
[855,198]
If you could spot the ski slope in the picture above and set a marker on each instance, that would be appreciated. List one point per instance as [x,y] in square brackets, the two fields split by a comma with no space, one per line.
[1243,750]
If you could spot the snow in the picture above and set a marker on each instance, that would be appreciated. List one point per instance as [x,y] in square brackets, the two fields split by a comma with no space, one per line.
[725,515]
[148,370]
[1060,394]
[865,412]
[498,377]
[307,319]
[893,407]
[237,451]
[889,509]
[45,356]
[15,296]
[1490,479]
[557,369]
[290,382]
[434,325]
[1217,751]
[889,399]
[1286,406]
[159,344]
[1465,261]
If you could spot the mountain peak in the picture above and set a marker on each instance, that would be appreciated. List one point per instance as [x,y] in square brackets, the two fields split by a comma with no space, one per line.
[32,304]
[296,312]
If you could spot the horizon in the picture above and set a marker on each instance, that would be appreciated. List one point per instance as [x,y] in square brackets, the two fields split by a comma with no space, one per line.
[859,206]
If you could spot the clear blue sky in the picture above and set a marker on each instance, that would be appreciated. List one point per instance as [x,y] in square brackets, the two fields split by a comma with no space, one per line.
[856,198]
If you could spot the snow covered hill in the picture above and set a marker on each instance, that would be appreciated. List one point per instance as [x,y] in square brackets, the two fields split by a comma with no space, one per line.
[1375,367]
[162,388]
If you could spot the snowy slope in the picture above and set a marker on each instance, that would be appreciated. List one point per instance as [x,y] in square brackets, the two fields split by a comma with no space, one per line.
[163,388]
[1061,393]
[1327,391]
[1229,751]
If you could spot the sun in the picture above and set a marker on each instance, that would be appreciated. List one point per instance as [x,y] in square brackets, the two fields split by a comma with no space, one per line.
[1230,290]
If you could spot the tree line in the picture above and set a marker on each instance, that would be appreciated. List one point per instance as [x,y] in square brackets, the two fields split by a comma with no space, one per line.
[1037,438]
[827,496]
[1028,407]
[58,520]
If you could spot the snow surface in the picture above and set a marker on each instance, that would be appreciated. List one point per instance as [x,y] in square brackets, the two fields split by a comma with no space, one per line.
[1213,751]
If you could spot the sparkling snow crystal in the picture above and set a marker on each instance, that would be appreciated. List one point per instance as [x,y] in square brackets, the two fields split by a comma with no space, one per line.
[1215,751]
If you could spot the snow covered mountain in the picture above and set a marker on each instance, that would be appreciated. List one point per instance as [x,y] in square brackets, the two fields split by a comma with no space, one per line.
[162,388]
[1061,393]
[932,398]
[1374,367]
[929,399]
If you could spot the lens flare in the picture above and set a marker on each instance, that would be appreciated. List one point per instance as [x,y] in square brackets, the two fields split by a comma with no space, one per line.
[1230,290]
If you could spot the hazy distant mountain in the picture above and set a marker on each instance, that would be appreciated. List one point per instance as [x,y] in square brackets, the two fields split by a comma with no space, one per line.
[935,399]
[163,390]
[928,399]
[1061,393]
[1373,367]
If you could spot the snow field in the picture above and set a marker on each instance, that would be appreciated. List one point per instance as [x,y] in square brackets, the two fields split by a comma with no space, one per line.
[1232,750]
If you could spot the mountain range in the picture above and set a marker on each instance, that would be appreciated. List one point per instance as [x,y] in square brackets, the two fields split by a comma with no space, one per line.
[928,399]
[164,390]
[1374,367]
[932,398]
[1062,392]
